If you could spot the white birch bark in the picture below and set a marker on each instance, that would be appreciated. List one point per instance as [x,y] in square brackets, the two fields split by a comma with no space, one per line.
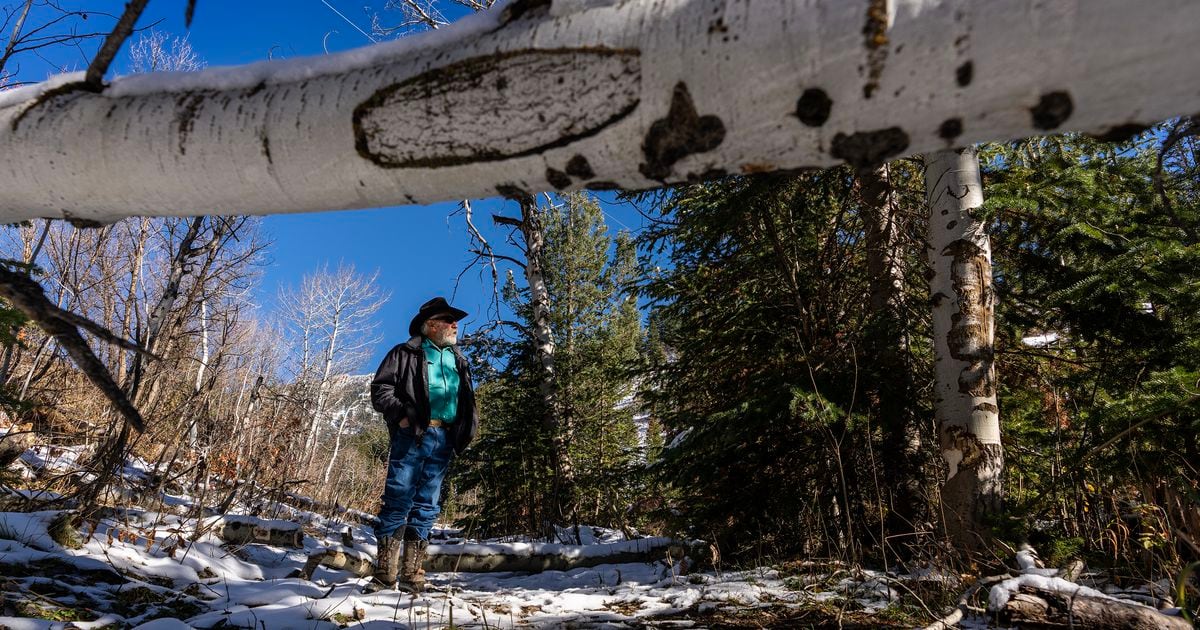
[963,333]
[569,94]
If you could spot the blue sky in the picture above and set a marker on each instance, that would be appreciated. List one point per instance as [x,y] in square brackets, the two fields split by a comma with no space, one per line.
[419,251]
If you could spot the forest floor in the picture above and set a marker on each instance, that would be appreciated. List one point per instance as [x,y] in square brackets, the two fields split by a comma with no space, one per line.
[156,563]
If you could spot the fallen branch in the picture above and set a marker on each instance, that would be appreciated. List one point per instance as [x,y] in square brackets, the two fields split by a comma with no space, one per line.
[338,558]
[961,609]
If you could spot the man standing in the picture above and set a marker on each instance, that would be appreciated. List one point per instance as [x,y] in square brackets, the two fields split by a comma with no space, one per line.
[423,389]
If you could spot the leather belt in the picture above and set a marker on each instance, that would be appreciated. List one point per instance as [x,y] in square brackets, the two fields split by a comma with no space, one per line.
[436,422]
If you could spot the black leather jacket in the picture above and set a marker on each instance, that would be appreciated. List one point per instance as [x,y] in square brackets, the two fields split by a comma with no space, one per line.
[401,390]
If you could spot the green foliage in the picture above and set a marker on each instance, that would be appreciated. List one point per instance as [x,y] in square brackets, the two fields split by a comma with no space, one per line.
[372,442]
[1103,420]
[597,335]
[759,311]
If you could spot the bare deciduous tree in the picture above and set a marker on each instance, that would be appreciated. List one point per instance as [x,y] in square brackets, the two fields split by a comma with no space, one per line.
[331,316]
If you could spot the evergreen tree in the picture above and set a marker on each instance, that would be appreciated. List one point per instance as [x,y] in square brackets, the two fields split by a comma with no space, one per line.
[1098,266]
[597,335]
[760,308]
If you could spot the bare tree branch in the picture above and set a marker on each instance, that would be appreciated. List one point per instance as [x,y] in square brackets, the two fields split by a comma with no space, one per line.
[94,78]
[27,296]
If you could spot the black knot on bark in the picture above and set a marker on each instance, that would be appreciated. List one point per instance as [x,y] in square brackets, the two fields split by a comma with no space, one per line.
[683,132]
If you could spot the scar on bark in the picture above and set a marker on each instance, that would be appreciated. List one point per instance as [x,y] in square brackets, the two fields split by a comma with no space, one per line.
[969,451]
[557,178]
[1121,133]
[682,133]
[50,95]
[964,73]
[1052,110]
[521,130]
[578,167]
[266,145]
[867,149]
[875,34]
[970,336]
[950,129]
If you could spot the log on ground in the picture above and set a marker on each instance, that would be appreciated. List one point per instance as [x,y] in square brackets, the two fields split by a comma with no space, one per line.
[535,559]
[254,530]
[1039,608]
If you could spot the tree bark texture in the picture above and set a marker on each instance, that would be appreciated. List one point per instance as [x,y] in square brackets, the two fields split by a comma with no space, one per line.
[893,391]
[569,94]
[534,235]
[963,307]
[457,559]
[1038,608]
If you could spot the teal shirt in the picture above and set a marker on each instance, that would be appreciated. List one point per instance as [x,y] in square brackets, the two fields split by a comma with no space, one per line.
[442,375]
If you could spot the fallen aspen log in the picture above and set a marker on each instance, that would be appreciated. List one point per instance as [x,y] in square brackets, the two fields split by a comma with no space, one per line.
[338,558]
[248,529]
[1036,601]
[538,557]
[512,557]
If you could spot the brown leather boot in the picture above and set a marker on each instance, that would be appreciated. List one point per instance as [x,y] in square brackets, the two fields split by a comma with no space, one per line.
[412,573]
[386,565]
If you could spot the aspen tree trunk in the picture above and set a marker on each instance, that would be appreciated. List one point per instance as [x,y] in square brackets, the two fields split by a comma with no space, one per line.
[965,382]
[136,265]
[543,339]
[571,94]
[194,426]
[887,343]
[157,322]
[337,447]
[314,430]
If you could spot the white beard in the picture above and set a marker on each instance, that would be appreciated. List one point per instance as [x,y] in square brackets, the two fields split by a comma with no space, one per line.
[446,339]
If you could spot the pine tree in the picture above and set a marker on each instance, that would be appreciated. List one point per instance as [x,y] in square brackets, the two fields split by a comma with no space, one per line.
[1097,259]
[760,311]
[597,335]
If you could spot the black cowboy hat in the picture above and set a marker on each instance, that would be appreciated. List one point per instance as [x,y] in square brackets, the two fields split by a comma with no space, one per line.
[433,308]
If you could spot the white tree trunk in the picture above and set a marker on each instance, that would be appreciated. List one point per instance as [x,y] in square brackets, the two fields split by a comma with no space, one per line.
[314,429]
[569,94]
[963,333]
[203,346]
[337,447]
[534,234]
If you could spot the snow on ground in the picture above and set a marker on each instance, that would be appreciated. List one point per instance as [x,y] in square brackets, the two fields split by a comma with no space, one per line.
[164,569]
[160,582]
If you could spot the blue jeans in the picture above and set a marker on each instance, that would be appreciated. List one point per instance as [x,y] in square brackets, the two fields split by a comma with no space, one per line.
[413,488]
